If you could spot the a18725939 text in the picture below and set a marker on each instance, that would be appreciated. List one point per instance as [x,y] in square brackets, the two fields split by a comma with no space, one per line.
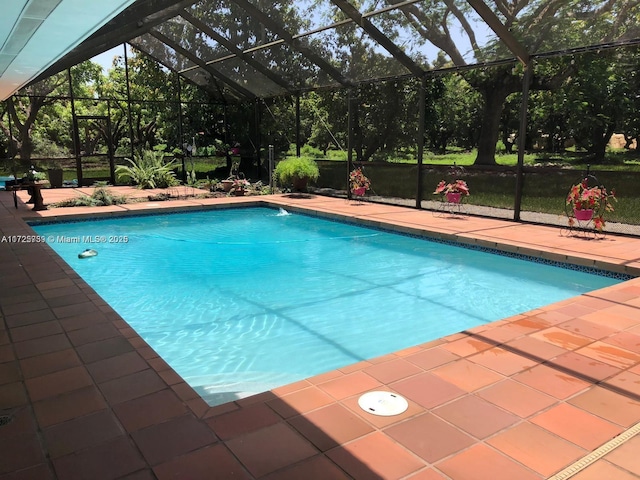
[64,239]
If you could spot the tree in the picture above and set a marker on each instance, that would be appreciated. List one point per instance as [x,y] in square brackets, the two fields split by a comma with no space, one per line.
[328,110]
[40,122]
[456,113]
[385,114]
[386,117]
[630,125]
[597,98]
[538,25]
[152,88]
[23,110]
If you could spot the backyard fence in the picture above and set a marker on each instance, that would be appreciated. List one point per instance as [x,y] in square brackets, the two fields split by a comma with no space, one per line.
[493,190]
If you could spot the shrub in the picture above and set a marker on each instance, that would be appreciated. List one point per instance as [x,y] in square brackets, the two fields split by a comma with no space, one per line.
[149,170]
[296,168]
[310,151]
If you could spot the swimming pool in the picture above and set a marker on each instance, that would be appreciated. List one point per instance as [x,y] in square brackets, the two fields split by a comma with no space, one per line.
[240,301]
[4,180]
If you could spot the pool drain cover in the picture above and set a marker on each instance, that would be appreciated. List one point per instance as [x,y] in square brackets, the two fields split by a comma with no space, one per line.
[384,404]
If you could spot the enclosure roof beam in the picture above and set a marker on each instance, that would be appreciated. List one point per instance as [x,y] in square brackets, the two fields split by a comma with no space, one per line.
[353,13]
[203,27]
[290,40]
[173,70]
[202,64]
[503,32]
[132,22]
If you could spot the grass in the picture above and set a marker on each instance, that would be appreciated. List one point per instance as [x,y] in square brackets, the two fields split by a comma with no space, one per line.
[615,159]
[203,167]
[543,192]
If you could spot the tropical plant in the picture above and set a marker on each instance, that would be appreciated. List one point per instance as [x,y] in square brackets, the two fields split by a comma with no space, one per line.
[149,170]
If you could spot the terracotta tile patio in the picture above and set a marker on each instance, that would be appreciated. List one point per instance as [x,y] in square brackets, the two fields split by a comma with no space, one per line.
[82,396]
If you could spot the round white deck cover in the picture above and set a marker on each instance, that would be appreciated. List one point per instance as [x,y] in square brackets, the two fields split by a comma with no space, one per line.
[384,404]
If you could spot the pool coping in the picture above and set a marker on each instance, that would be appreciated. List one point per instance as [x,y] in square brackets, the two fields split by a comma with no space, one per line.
[463,239]
[372,215]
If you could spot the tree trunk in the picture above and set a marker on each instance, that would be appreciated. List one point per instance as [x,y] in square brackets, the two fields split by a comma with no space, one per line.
[227,156]
[494,86]
[599,141]
[372,147]
[26,147]
[490,127]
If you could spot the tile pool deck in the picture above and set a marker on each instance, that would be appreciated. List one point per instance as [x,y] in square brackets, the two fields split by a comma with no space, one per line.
[82,396]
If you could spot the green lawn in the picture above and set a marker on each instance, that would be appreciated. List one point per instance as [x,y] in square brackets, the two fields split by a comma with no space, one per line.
[544,189]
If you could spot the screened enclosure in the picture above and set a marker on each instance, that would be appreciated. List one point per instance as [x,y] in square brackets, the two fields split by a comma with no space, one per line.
[243,49]
[395,86]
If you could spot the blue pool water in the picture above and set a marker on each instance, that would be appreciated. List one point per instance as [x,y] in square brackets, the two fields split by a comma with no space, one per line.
[4,180]
[240,301]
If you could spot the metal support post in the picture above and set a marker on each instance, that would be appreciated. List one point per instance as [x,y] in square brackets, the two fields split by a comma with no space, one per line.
[271,166]
[522,137]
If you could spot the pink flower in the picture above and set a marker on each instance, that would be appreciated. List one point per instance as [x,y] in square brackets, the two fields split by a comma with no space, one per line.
[457,186]
[597,198]
[358,180]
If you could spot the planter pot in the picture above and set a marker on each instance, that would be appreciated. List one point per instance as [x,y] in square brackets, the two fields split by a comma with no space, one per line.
[300,184]
[454,197]
[55,177]
[583,215]
[33,189]
[238,193]
[226,185]
[359,191]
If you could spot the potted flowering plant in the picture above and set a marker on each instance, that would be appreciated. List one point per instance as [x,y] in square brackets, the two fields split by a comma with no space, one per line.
[589,203]
[227,184]
[452,191]
[238,186]
[358,182]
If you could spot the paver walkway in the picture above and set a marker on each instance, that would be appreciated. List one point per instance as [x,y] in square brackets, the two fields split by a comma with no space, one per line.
[82,396]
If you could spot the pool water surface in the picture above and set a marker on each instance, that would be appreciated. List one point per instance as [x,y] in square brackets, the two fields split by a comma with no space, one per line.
[4,180]
[240,301]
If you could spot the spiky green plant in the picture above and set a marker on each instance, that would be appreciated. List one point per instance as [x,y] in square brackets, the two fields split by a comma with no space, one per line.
[149,170]
[100,197]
